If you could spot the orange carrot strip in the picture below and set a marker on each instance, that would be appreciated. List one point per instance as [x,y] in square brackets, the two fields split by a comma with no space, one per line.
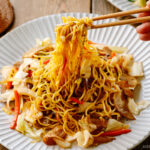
[90,42]
[17,109]
[116,132]
[46,62]
[9,85]
[76,100]
[29,73]
[113,54]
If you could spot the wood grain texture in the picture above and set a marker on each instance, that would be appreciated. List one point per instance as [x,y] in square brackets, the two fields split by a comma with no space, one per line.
[144,145]
[26,10]
[6,15]
[102,7]
[2,148]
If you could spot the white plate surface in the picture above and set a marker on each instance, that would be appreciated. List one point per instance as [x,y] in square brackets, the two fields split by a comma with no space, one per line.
[124,5]
[15,43]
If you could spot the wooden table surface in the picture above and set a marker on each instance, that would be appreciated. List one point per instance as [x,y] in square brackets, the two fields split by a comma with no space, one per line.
[26,10]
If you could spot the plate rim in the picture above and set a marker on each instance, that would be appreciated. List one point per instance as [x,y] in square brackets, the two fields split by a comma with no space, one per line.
[53,15]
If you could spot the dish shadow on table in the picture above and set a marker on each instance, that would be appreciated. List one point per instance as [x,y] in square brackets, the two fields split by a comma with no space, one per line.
[143,146]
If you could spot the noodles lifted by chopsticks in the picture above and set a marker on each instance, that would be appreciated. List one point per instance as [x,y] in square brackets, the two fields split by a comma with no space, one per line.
[75,90]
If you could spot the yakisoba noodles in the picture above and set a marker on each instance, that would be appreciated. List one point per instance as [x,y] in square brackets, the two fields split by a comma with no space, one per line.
[75,90]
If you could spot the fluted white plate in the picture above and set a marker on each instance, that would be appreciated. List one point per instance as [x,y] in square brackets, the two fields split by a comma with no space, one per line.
[124,5]
[21,39]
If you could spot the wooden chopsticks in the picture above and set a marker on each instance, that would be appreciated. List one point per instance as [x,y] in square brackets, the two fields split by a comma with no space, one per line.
[122,22]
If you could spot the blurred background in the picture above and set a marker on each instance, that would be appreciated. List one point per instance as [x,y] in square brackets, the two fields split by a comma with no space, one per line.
[29,9]
[25,10]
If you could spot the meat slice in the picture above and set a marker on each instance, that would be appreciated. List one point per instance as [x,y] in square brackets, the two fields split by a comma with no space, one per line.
[3,88]
[127,81]
[92,124]
[129,92]
[107,50]
[99,123]
[56,133]
[121,105]
[99,140]
[104,50]
[17,64]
